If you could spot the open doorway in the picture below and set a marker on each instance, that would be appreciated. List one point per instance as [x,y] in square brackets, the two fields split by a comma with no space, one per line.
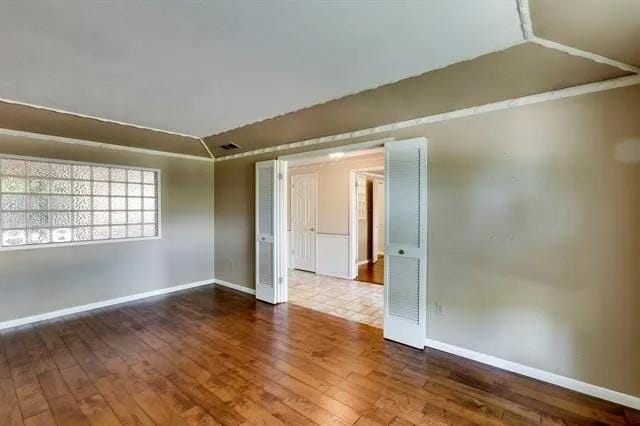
[321,233]
[401,303]
[367,218]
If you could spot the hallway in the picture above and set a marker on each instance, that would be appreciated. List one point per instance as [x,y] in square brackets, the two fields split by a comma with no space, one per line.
[353,300]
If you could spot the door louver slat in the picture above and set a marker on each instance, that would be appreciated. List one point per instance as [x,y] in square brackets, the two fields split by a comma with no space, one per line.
[404,294]
[404,189]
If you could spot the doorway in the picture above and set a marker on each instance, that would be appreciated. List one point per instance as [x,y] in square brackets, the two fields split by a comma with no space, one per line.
[368,225]
[405,235]
[319,201]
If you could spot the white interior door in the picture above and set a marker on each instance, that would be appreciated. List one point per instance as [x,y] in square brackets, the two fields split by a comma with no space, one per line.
[405,282]
[304,190]
[271,277]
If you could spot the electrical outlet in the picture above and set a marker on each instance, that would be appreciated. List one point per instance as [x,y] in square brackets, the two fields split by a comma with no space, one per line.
[439,309]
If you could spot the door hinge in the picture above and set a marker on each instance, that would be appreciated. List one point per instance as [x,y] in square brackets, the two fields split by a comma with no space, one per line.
[280,280]
[280,176]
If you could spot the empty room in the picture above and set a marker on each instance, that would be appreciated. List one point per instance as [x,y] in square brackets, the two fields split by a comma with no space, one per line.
[319,212]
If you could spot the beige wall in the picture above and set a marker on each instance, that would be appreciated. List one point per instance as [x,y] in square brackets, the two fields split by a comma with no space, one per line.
[42,280]
[333,190]
[533,234]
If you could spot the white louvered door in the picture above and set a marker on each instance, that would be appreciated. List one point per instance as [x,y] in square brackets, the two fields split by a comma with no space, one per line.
[405,312]
[271,277]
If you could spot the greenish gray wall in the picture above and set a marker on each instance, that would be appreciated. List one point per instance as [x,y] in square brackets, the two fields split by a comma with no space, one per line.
[533,234]
[42,280]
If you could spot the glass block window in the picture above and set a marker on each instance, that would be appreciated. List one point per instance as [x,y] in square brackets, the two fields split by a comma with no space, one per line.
[55,202]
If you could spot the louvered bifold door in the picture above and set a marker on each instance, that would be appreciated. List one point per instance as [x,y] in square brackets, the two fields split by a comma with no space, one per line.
[406,242]
[269,196]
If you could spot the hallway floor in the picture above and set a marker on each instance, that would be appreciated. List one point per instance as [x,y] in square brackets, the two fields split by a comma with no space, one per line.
[353,300]
[372,272]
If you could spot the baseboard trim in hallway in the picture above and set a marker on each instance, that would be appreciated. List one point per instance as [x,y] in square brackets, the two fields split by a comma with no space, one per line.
[234,286]
[101,304]
[545,376]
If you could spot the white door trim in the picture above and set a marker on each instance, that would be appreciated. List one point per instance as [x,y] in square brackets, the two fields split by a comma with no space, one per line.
[375,212]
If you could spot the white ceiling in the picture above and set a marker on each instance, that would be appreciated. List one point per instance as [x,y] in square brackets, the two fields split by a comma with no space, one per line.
[204,67]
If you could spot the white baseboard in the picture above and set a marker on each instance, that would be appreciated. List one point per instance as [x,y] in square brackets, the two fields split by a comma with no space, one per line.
[545,376]
[96,305]
[341,276]
[234,286]
[364,262]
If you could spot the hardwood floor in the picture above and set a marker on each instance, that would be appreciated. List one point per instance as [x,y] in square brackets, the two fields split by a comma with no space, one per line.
[212,356]
[372,272]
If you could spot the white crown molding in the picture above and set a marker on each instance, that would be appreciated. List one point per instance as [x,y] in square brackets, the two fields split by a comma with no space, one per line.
[583,54]
[545,376]
[524,12]
[204,144]
[93,117]
[234,286]
[60,139]
[101,304]
[466,112]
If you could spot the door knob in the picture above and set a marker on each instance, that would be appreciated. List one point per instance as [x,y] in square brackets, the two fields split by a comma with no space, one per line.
[400,251]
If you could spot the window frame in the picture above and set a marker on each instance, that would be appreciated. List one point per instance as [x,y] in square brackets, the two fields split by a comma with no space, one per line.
[158,209]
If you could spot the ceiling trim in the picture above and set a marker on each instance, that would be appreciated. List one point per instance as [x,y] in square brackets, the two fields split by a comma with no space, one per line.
[466,112]
[60,139]
[93,117]
[524,12]
[206,148]
[583,54]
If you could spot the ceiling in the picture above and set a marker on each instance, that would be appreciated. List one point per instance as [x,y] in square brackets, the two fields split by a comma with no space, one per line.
[610,28]
[521,70]
[267,73]
[199,68]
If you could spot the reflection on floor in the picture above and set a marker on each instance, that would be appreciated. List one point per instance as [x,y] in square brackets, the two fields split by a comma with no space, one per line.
[353,300]
[372,272]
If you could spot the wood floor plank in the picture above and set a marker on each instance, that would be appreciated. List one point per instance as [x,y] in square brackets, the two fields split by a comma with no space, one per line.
[67,412]
[78,382]
[124,407]
[43,419]
[9,408]
[52,383]
[215,357]
[98,412]
[30,396]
